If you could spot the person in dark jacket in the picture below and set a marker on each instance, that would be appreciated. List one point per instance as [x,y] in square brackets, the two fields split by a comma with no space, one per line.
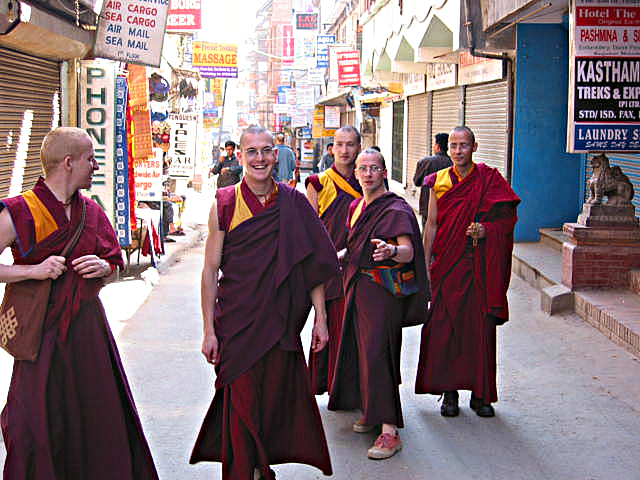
[228,168]
[429,165]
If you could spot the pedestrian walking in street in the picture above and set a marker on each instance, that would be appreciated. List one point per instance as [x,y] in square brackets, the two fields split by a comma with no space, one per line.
[386,288]
[330,193]
[70,413]
[328,158]
[274,255]
[285,161]
[468,241]
[429,165]
[228,168]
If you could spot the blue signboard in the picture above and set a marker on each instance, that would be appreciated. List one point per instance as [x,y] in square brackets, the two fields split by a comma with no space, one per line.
[609,137]
[121,171]
[322,49]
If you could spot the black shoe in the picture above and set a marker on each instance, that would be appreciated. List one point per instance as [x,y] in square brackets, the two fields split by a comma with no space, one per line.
[449,407]
[481,409]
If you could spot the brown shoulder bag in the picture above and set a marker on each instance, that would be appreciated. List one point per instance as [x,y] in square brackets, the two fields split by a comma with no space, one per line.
[24,308]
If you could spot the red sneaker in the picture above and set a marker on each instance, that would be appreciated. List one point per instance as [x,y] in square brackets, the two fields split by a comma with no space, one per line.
[385,446]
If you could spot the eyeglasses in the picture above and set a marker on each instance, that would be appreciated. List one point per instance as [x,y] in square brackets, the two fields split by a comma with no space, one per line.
[253,152]
[461,146]
[369,168]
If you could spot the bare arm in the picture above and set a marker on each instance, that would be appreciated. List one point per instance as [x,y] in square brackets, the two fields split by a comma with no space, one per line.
[312,196]
[402,254]
[320,335]
[52,267]
[209,285]
[430,228]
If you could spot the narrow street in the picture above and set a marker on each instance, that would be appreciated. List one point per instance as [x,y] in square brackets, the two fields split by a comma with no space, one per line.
[568,399]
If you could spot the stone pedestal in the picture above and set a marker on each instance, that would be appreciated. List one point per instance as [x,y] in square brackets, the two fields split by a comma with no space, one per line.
[602,248]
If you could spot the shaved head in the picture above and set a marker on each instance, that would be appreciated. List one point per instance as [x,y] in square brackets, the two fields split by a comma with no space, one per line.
[61,142]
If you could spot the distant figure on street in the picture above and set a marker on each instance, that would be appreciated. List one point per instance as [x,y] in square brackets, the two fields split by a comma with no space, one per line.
[386,287]
[274,255]
[429,165]
[327,158]
[469,235]
[285,160]
[228,168]
[330,194]
[70,413]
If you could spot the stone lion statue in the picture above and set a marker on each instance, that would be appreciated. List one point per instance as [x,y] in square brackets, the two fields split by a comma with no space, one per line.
[609,181]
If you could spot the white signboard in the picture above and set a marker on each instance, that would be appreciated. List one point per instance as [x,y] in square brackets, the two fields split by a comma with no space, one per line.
[182,145]
[132,31]
[331,116]
[478,69]
[281,108]
[441,75]
[97,117]
[148,177]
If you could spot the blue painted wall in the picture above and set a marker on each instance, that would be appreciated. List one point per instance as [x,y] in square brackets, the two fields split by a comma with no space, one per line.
[547,179]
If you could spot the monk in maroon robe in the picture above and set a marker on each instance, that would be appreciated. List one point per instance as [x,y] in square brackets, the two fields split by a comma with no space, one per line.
[385,289]
[69,414]
[274,255]
[331,193]
[469,234]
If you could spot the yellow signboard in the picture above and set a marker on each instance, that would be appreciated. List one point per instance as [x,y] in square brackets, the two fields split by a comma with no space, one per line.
[219,60]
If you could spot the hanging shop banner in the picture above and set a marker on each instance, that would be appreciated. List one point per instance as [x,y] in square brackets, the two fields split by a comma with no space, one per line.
[184,16]
[122,213]
[348,68]
[331,116]
[97,105]
[148,177]
[216,60]
[182,151]
[132,31]
[280,12]
[287,44]
[142,139]
[322,49]
[307,21]
[604,77]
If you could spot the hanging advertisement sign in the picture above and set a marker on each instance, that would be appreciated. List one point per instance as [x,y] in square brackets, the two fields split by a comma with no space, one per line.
[182,150]
[322,49]
[216,60]
[97,106]
[122,213]
[142,141]
[307,21]
[331,116]
[287,44]
[348,68]
[148,176]
[184,15]
[604,77]
[132,31]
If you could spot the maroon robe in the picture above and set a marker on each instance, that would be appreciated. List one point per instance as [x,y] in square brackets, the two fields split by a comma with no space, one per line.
[368,365]
[70,414]
[469,286]
[263,403]
[322,364]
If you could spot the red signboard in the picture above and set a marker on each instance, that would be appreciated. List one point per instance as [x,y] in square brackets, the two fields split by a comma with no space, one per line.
[184,15]
[307,21]
[287,44]
[348,68]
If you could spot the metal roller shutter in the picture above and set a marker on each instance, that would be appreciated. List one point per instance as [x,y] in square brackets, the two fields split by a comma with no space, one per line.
[445,110]
[486,113]
[29,108]
[419,134]
[630,165]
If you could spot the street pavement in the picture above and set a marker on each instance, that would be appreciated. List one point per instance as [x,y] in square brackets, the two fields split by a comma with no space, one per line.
[568,396]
